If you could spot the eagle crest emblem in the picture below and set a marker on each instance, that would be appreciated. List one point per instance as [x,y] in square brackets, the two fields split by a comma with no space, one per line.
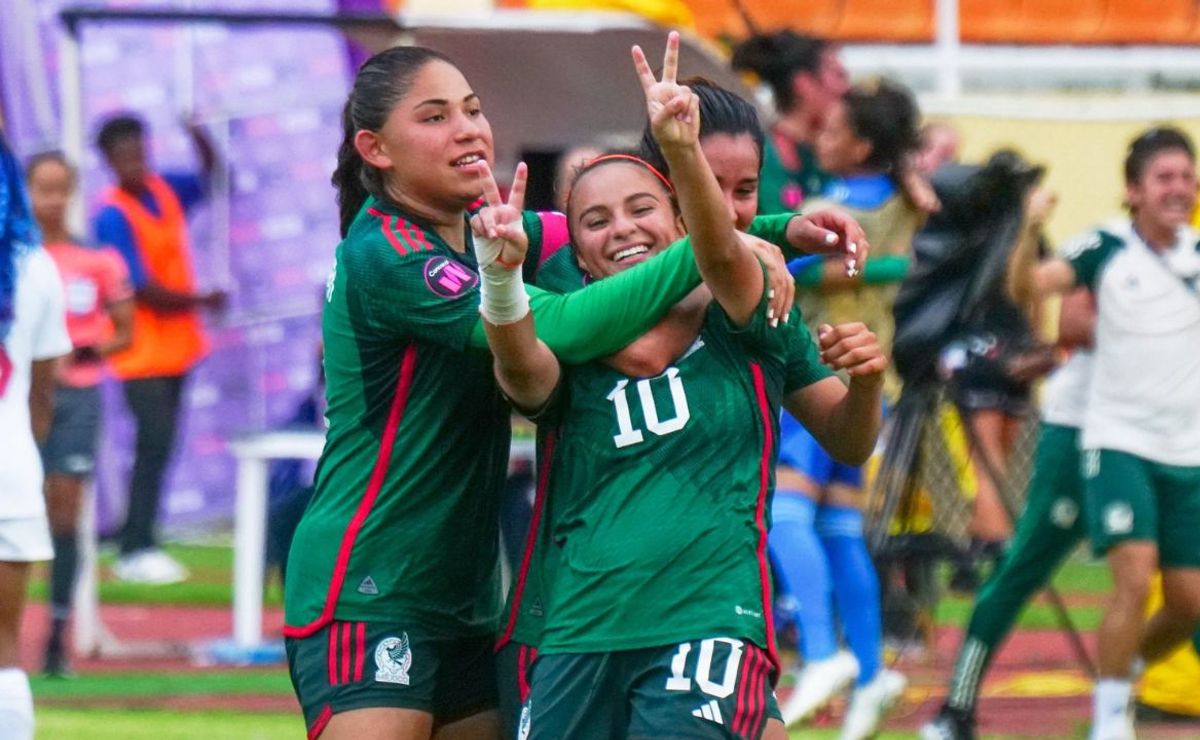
[393,659]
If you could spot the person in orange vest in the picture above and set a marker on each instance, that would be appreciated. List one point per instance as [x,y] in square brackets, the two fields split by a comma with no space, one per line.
[144,215]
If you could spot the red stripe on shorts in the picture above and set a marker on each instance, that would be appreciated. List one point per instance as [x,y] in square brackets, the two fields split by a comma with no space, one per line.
[318,726]
[758,693]
[361,642]
[333,654]
[345,652]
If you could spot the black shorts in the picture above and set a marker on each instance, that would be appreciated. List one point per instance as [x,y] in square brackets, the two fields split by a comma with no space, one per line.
[358,665]
[719,688]
[70,447]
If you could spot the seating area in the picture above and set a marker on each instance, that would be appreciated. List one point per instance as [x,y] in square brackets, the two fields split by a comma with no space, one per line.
[1097,22]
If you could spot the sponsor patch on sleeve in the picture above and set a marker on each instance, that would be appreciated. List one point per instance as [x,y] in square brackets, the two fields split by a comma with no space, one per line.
[447,278]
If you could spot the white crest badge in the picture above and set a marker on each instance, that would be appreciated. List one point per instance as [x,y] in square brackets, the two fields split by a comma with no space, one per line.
[393,659]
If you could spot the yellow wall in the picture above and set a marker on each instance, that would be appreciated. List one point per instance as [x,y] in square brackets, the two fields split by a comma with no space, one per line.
[1083,157]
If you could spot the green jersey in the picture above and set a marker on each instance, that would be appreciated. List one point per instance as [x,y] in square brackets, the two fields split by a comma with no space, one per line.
[782,189]
[661,489]
[525,610]
[403,522]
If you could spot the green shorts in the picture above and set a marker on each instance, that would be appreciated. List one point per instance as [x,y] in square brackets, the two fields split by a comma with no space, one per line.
[717,688]
[514,666]
[359,665]
[1131,498]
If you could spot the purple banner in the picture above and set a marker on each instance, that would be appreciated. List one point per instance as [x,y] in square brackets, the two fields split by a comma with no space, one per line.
[271,100]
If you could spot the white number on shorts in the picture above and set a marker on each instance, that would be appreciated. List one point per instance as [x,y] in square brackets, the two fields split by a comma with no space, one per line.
[677,681]
[661,427]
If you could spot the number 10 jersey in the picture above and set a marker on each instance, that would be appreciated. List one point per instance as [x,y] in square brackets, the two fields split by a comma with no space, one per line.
[660,489]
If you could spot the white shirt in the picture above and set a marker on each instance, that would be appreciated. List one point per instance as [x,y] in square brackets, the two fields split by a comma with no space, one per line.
[1144,397]
[38,332]
[1065,395]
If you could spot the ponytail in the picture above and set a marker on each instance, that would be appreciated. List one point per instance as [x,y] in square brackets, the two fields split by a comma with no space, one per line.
[351,194]
[380,84]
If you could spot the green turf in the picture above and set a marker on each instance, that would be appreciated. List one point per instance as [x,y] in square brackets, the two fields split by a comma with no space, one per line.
[210,583]
[192,683]
[105,724]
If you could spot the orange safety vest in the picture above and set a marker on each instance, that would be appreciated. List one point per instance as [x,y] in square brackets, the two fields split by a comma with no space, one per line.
[163,343]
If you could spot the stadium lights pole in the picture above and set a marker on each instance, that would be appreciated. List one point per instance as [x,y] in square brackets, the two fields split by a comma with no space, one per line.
[949,73]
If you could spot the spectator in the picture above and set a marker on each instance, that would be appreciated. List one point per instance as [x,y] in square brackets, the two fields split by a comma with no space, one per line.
[97,291]
[33,335]
[143,216]
[806,77]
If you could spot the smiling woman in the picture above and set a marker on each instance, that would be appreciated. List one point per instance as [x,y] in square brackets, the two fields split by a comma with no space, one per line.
[394,591]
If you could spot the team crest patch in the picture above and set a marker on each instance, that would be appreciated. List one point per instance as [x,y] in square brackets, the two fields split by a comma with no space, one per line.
[1118,518]
[1064,513]
[448,278]
[393,659]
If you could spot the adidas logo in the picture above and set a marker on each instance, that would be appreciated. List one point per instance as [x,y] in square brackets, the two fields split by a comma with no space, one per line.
[368,586]
[710,711]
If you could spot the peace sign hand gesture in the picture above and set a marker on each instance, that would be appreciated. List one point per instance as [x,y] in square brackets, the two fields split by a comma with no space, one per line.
[500,237]
[674,109]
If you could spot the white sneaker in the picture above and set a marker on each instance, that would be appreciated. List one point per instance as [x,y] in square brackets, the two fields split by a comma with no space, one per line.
[869,703]
[817,684]
[151,566]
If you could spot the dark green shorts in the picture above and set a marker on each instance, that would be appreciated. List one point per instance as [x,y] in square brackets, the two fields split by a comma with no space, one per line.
[717,688]
[357,665]
[1132,498]
[514,666]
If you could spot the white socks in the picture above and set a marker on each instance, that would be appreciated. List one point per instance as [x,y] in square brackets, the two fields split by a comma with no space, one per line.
[1110,711]
[16,705]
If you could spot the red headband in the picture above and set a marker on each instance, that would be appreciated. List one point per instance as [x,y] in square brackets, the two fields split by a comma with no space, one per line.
[627,158]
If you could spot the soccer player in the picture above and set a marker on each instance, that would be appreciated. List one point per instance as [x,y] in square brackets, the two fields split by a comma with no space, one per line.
[817,542]
[100,321]
[1049,529]
[647,633]
[392,589]
[33,335]
[1141,431]
[732,140]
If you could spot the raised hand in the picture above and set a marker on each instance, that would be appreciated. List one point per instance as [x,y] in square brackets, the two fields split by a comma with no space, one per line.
[854,348]
[674,109]
[500,237]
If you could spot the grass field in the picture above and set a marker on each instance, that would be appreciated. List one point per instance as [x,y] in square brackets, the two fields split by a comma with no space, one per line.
[136,703]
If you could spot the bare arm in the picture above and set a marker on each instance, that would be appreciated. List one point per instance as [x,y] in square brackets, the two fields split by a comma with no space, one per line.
[525,368]
[41,397]
[1053,277]
[1077,320]
[121,314]
[845,420]
[731,271]
[167,300]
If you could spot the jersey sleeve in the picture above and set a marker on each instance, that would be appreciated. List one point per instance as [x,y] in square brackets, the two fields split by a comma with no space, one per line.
[773,228]
[190,188]
[114,282]
[803,365]
[757,334]
[1087,255]
[548,236]
[609,314]
[420,294]
[114,230]
[50,339]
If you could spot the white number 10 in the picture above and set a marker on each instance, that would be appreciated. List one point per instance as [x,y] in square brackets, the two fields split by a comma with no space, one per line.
[680,682]
[662,427]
